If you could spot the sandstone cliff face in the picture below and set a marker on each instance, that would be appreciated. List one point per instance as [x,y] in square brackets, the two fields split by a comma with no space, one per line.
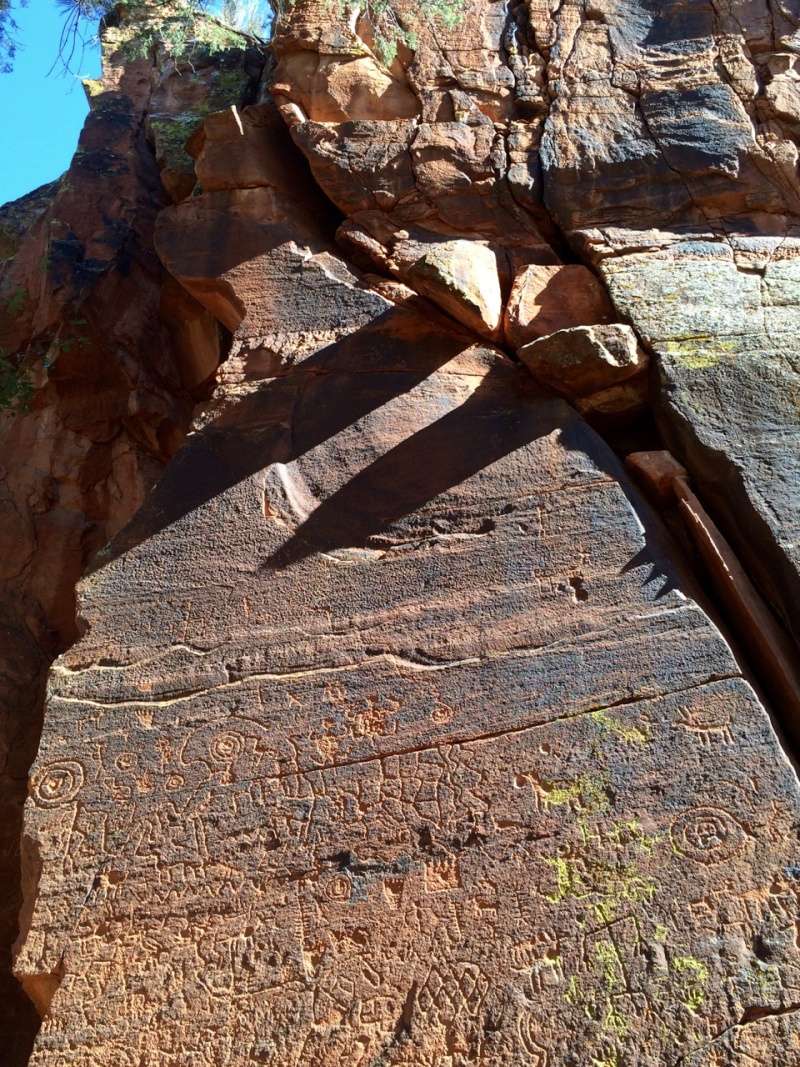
[103,362]
[397,731]
[661,140]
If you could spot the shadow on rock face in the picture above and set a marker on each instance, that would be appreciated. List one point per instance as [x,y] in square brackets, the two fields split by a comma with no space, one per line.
[396,438]
[259,429]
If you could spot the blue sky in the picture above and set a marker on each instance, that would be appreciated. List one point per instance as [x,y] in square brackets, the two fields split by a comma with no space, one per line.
[40,116]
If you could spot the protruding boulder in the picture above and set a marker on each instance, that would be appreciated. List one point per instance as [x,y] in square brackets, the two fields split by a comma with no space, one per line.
[585,360]
[461,276]
[235,149]
[546,298]
[333,90]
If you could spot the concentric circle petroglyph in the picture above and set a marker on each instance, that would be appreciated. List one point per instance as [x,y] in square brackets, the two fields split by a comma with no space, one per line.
[707,834]
[226,747]
[57,783]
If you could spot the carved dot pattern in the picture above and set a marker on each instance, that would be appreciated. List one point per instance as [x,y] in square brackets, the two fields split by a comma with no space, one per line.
[58,783]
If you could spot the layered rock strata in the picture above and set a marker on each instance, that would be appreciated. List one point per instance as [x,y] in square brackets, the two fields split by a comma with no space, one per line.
[660,140]
[397,732]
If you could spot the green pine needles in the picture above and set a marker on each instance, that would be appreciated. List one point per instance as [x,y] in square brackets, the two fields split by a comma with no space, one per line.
[181,33]
[392,28]
[392,22]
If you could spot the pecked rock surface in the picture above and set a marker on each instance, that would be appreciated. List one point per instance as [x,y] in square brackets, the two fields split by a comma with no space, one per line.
[362,761]
[397,732]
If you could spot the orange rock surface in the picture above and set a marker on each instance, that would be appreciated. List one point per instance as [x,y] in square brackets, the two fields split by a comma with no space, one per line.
[393,726]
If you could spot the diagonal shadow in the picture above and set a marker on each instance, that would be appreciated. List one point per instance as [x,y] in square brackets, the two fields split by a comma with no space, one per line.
[386,358]
[489,425]
[658,572]
[258,429]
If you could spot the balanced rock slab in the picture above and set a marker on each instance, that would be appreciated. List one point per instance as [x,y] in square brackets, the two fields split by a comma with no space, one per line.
[585,359]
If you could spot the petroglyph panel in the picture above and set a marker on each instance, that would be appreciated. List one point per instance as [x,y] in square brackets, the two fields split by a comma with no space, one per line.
[344,772]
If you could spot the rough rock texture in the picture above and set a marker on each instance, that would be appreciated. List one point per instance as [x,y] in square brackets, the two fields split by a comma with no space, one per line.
[668,157]
[106,391]
[544,299]
[661,140]
[398,776]
[584,359]
[361,760]
[397,732]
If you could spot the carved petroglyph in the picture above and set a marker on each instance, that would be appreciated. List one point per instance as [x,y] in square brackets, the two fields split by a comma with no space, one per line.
[334,939]
[707,834]
[371,815]
[527,1029]
[442,875]
[59,783]
[711,723]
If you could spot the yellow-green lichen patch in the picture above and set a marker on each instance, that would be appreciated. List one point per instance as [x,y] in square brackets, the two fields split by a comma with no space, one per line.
[638,735]
[170,135]
[586,794]
[609,965]
[631,832]
[607,887]
[693,979]
[93,87]
[568,882]
[701,353]
[602,1007]
[617,888]
[572,994]
[765,982]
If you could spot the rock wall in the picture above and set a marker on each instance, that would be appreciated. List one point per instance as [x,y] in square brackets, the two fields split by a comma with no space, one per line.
[102,362]
[659,140]
[398,730]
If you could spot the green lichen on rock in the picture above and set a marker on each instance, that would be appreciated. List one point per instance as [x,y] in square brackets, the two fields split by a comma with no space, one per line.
[93,87]
[699,353]
[692,980]
[619,728]
[170,135]
[227,87]
[16,386]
